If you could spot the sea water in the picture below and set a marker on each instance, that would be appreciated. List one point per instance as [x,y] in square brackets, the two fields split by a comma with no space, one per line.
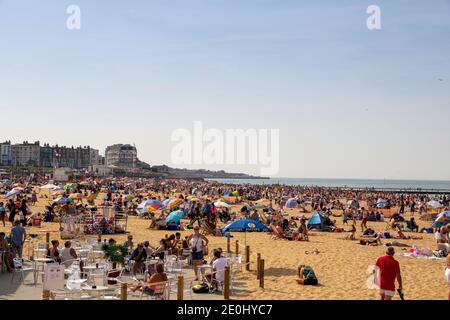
[354,183]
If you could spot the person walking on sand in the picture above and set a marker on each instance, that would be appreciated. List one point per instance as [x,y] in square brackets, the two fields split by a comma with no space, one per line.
[2,214]
[389,272]
[199,242]
[364,219]
[18,236]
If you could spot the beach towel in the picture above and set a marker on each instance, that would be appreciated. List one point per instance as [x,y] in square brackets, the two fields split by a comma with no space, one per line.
[373,281]
[410,255]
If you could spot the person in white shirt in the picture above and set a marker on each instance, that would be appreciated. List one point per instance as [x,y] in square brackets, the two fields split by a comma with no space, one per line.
[219,263]
[68,254]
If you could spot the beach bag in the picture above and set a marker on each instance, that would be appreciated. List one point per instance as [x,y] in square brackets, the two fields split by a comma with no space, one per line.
[200,288]
[309,273]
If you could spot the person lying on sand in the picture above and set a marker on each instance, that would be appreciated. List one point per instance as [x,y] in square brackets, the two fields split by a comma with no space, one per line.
[306,275]
[401,235]
[397,244]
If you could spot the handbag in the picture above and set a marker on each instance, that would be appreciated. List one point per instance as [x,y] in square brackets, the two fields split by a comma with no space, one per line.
[201,288]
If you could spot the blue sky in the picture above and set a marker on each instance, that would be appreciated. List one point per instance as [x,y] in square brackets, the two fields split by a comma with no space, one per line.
[349,102]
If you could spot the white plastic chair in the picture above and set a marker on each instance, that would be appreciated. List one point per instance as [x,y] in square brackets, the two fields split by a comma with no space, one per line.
[21,266]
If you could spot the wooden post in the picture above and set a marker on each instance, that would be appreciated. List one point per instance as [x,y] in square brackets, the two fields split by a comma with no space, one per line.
[237,247]
[47,238]
[258,265]
[228,245]
[261,276]
[123,292]
[180,288]
[46,295]
[247,258]
[226,284]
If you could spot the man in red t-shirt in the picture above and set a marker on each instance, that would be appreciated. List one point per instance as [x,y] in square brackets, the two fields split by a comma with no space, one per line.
[389,271]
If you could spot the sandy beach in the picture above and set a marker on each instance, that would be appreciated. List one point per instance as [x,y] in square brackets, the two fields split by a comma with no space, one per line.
[340,266]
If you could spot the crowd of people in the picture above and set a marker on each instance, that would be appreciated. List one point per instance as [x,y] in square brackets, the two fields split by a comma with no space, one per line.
[197,201]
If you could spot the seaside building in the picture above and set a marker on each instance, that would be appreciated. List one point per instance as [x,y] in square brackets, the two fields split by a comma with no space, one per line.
[25,154]
[121,156]
[46,156]
[33,154]
[70,157]
[5,153]
[73,158]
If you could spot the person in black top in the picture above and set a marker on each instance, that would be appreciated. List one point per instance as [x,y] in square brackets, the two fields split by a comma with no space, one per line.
[12,210]
[139,256]
[53,252]
[23,209]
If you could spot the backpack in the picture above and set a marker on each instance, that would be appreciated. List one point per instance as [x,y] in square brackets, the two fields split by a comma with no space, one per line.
[309,273]
[200,288]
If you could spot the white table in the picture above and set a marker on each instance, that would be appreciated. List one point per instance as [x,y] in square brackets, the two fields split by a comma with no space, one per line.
[42,261]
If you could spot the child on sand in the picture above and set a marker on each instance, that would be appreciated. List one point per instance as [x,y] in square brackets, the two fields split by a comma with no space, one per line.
[306,275]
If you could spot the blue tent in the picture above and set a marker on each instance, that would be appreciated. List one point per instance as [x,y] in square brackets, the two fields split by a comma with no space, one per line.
[317,221]
[245,225]
[291,203]
[175,216]
[382,203]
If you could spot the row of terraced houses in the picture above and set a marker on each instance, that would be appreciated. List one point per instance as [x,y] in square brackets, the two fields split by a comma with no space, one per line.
[82,157]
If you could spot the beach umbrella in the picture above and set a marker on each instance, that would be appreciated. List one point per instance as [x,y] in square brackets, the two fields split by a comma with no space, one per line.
[381,203]
[76,196]
[68,187]
[193,190]
[175,216]
[48,186]
[443,216]
[152,205]
[245,225]
[221,204]
[174,202]
[146,203]
[235,193]
[6,181]
[166,202]
[291,203]
[434,204]
[14,192]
